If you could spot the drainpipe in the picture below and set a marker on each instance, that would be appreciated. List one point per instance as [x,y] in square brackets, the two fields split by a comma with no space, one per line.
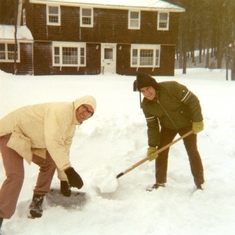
[19,14]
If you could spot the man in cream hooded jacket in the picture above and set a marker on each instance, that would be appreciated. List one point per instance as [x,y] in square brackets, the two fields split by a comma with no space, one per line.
[41,133]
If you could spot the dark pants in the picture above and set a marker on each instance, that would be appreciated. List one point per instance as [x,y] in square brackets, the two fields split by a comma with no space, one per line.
[14,169]
[190,143]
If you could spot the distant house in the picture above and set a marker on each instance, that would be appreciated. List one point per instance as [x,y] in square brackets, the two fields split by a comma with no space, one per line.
[101,36]
[23,53]
[24,49]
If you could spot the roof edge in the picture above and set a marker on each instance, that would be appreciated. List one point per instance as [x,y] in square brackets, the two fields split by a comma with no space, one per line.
[169,7]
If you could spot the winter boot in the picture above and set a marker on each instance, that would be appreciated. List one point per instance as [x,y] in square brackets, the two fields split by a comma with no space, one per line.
[155,186]
[200,187]
[35,208]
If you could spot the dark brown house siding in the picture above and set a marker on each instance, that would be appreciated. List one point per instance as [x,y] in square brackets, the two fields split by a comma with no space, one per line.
[167,65]
[93,59]
[42,58]
[123,60]
[26,55]
[7,67]
[109,26]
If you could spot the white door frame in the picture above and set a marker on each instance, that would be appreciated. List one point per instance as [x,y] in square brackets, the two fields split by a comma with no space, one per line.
[108,57]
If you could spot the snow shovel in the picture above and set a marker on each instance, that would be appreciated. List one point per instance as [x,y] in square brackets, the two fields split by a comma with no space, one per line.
[158,151]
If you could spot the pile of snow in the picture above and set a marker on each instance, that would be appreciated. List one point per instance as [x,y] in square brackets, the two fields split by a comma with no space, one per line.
[113,140]
[105,179]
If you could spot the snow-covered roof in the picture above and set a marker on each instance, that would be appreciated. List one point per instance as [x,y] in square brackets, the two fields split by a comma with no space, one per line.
[152,5]
[7,33]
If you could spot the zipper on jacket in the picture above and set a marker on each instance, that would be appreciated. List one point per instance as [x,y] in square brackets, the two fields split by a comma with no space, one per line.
[167,114]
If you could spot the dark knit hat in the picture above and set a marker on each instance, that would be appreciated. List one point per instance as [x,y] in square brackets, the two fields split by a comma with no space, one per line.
[144,80]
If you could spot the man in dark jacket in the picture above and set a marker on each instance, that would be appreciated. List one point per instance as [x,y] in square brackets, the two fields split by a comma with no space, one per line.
[170,108]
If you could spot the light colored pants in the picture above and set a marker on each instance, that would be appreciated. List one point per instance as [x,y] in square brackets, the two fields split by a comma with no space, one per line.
[14,168]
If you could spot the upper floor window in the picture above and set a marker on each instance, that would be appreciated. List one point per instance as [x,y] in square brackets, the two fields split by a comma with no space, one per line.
[53,15]
[145,55]
[86,17]
[7,52]
[69,54]
[163,21]
[134,20]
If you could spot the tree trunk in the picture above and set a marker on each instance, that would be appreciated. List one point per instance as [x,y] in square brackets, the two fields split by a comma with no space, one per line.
[233,62]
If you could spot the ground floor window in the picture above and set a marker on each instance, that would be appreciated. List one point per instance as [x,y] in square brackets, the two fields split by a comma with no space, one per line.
[69,54]
[145,55]
[7,52]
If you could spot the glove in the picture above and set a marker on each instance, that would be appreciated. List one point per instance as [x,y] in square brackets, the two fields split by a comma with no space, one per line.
[65,188]
[74,178]
[197,127]
[151,154]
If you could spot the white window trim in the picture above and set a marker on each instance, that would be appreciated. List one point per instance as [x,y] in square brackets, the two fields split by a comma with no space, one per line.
[129,19]
[139,47]
[59,16]
[68,44]
[6,52]
[167,22]
[92,16]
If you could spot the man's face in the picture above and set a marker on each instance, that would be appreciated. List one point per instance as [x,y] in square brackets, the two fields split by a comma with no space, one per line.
[148,92]
[84,112]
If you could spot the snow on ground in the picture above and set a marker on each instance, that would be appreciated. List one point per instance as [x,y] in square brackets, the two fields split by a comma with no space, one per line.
[113,140]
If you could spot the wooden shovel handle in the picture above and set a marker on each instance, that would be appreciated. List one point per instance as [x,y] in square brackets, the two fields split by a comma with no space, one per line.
[158,151]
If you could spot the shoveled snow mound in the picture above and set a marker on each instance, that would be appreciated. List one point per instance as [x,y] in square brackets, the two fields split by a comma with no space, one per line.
[105,179]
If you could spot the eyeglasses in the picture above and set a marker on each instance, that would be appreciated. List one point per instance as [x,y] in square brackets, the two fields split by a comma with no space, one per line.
[85,109]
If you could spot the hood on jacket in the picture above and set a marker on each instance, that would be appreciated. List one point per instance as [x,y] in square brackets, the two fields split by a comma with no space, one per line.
[87,99]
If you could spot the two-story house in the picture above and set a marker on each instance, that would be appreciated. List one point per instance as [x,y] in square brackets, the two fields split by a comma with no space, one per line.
[101,36]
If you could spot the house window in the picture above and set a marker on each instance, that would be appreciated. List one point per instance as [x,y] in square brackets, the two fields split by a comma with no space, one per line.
[82,55]
[7,52]
[163,21]
[145,55]
[108,53]
[69,54]
[53,15]
[134,20]
[134,57]
[56,55]
[86,17]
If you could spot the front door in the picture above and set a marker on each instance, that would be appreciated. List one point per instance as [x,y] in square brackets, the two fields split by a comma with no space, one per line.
[108,57]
